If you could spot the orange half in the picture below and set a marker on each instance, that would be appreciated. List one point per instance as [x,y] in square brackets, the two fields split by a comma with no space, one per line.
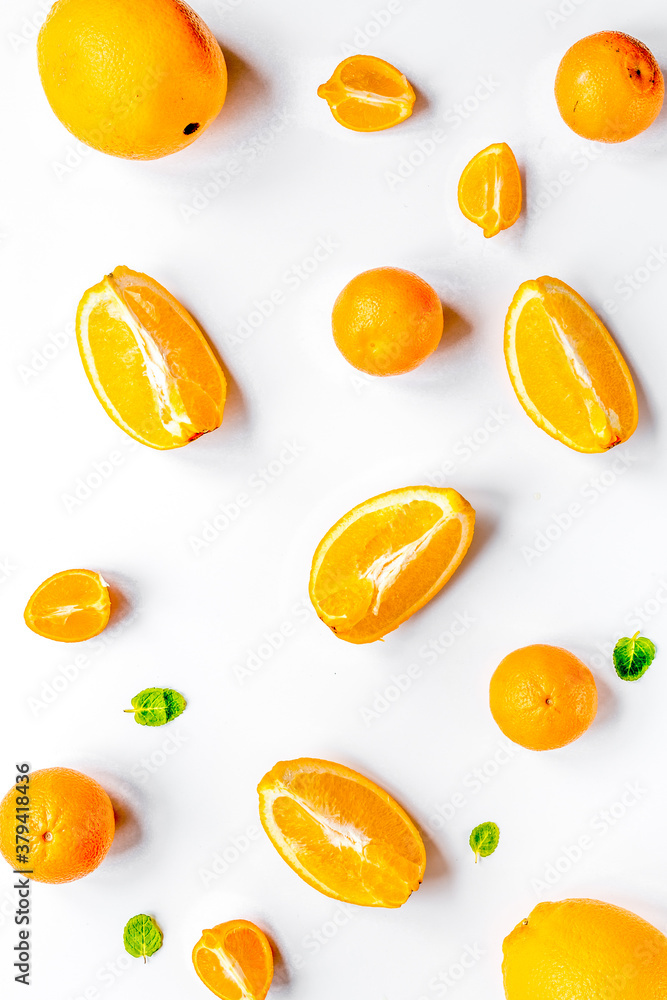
[148,362]
[566,369]
[387,558]
[490,190]
[235,961]
[341,833]
[70,606]
[367,94]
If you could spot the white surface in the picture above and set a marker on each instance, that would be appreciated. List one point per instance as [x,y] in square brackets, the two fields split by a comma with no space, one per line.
[195,617]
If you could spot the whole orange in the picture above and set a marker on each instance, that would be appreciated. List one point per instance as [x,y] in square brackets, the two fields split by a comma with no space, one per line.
[387,321]
[133,78]
[609,87]
[543,697]
[70,822]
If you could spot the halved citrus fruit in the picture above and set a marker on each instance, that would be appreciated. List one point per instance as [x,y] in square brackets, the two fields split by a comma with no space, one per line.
[490,190]
[70,606]
[148,362]
[367,94]
[387,557]
[341,833]
[565,368]
[235,961]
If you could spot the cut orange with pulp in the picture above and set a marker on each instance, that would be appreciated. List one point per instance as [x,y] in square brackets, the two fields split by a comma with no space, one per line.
[235,961]
[70,606]
[367,94]
[341,833]
[490,190]
[387,557]
[148,362]
[565,368]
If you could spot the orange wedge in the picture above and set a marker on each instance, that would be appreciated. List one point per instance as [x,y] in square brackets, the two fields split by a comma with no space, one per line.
[148,362]
[70,606]
[367,94]
[235,961]
[340,832]
[490,190]
[565,368]
[387,557]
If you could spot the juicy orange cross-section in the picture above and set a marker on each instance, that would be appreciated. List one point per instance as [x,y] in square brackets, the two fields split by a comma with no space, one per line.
[235,961]
[490,190]
[566,370]
[387,557]
[148,362]
[343,834]
[70,606]
[367,94]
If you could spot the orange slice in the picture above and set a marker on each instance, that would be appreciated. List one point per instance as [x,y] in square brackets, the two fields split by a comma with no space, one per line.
[148,362]
[387,557]
[367,94]
[566,370]
[490,190]
[343,834]
[70,606]
[235,961]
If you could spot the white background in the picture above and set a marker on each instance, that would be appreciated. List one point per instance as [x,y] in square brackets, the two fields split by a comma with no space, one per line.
[192,619]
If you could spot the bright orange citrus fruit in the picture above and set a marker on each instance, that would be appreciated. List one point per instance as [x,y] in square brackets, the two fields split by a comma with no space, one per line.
[490,190]
[387,321]
[387,557]
[134,78]
[70,606]
[235,961]
[343,834]
[543,697]
[70,825]
[609,87]
[582,949]
[565,368]
[367,94]
[148,362]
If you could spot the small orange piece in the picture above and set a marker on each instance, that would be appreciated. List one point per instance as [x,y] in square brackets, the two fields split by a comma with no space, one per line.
[490,190]
[543,697]
[387,321]
[70,606]
[367,94]
[609,87]
[148,362]
[341,833]
[70,825]
[565,368]
[387,558]
[235,961]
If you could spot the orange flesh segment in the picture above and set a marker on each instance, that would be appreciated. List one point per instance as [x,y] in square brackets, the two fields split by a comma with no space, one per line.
[148,362]
[386,558]
[367,94]
[70,606]
[490,189]
[235,961]
[566,369]
[341,833]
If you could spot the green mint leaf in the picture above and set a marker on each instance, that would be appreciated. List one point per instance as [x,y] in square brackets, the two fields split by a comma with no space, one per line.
[633,657]
[157,706]
[484,840]
[142,937]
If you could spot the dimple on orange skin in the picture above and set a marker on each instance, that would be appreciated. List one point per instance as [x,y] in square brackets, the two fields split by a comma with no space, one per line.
[367,94]
[139,79]
[490,191]
[234,960]
[609,87]
[71,825]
